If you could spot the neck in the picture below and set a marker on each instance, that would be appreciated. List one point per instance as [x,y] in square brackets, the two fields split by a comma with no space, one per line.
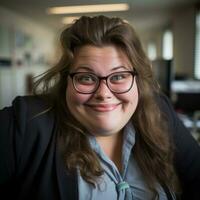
[112,146]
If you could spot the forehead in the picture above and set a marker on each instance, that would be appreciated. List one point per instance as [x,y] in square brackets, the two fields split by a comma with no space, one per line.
[104,54]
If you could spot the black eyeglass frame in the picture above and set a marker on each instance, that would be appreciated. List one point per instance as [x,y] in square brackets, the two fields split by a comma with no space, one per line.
[100,78]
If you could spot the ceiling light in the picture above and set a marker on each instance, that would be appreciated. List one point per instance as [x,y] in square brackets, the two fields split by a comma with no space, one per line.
[88,8]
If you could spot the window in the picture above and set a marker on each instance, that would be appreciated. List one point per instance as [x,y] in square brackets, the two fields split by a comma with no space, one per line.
[197,47]
[167,45]
[151,51]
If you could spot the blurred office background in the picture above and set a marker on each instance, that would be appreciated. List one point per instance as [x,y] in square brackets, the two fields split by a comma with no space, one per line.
[169,30]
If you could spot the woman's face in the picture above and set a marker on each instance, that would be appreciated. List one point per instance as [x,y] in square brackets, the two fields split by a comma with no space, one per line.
[102,113]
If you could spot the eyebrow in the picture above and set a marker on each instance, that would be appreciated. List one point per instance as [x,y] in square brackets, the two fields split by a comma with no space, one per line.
[84,67]
[91,70]
[119,67]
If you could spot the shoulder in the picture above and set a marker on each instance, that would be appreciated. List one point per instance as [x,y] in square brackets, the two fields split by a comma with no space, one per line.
[32,105]
[26,128]
[27,111]
[168,112]
[177,129]
[164,103]
[28,118]
[20,127]
[187,150]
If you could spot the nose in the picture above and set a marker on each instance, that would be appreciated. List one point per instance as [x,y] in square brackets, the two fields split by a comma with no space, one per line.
[103,91]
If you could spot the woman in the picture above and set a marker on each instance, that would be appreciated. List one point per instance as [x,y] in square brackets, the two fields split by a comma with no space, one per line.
[97,126]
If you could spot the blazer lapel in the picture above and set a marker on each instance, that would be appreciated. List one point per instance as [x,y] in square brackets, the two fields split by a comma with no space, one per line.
[67,182]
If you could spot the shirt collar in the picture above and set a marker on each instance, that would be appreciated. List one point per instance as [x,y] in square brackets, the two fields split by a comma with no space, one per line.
[128,137]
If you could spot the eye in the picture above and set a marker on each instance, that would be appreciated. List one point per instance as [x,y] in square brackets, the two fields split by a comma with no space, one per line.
[85,79]
[119,77]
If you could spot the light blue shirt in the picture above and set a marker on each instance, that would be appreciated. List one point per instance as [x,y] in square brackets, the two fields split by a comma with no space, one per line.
[113,185]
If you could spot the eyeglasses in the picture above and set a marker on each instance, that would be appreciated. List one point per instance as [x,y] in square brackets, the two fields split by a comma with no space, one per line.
[88,83]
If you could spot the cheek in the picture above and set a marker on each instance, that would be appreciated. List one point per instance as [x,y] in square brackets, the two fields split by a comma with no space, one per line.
[74,98]
[134,96]
[130,97]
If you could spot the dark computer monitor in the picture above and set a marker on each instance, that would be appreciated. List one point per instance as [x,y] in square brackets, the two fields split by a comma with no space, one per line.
[162,70]
[187,95]
[188,102]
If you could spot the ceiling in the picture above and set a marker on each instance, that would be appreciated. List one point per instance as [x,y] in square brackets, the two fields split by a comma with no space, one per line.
[143,13]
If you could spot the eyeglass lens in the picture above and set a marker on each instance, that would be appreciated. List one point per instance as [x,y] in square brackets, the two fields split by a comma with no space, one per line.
[118,82]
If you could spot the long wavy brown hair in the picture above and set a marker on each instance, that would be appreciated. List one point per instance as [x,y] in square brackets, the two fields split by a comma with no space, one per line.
[152,151]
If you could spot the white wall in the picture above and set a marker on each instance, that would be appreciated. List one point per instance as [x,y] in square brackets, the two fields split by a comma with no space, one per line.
[182,23]
[184,37]
[155,36]
[13,82]
[41,39]
[41,46]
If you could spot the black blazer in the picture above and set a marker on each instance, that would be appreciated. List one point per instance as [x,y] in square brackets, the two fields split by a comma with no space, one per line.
[32,168]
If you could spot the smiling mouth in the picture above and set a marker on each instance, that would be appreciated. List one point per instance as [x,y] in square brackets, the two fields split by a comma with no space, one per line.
[103,107]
